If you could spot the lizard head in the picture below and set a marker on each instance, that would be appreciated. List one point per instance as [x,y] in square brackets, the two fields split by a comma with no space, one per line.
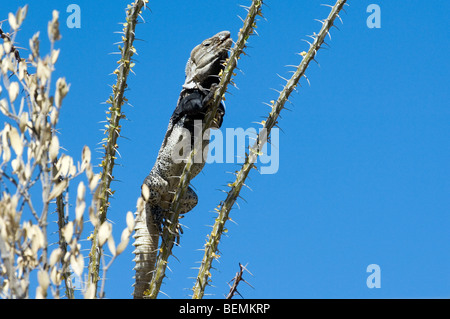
[206,61]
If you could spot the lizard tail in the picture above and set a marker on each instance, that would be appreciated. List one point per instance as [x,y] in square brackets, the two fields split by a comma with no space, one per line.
[146,248]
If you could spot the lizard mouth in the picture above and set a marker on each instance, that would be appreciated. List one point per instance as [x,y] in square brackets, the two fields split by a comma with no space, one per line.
[224,35]
[225,38]
[225,42]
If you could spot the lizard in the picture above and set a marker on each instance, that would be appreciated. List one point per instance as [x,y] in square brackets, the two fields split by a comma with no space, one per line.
[202,71]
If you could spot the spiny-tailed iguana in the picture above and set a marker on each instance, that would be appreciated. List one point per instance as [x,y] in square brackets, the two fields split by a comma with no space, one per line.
[202,75]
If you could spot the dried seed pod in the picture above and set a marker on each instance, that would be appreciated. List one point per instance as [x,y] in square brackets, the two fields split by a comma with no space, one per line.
[16,141]
[13,91]
[61,91]
[58,189]
[53,148]
[104,233]
[55,256]
[130,221]
[77,264]
[53,27]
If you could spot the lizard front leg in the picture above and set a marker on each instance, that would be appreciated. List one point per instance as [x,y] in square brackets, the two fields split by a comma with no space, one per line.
[153,189]
[187,203]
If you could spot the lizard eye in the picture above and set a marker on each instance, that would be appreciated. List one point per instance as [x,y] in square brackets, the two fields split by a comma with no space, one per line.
[206,44]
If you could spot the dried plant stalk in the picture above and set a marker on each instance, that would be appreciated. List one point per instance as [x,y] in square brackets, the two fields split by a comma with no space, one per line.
[30,156]
[211,247]
[36,147]
[236,281]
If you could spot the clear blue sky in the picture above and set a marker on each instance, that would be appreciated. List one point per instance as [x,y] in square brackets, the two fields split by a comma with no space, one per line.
[364,173]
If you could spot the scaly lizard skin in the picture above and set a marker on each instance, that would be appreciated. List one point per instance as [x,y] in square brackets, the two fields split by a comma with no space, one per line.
[202,75]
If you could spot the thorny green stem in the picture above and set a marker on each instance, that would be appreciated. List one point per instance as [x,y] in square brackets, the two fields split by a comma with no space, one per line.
[113,132]
[170,232]
[211,247]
